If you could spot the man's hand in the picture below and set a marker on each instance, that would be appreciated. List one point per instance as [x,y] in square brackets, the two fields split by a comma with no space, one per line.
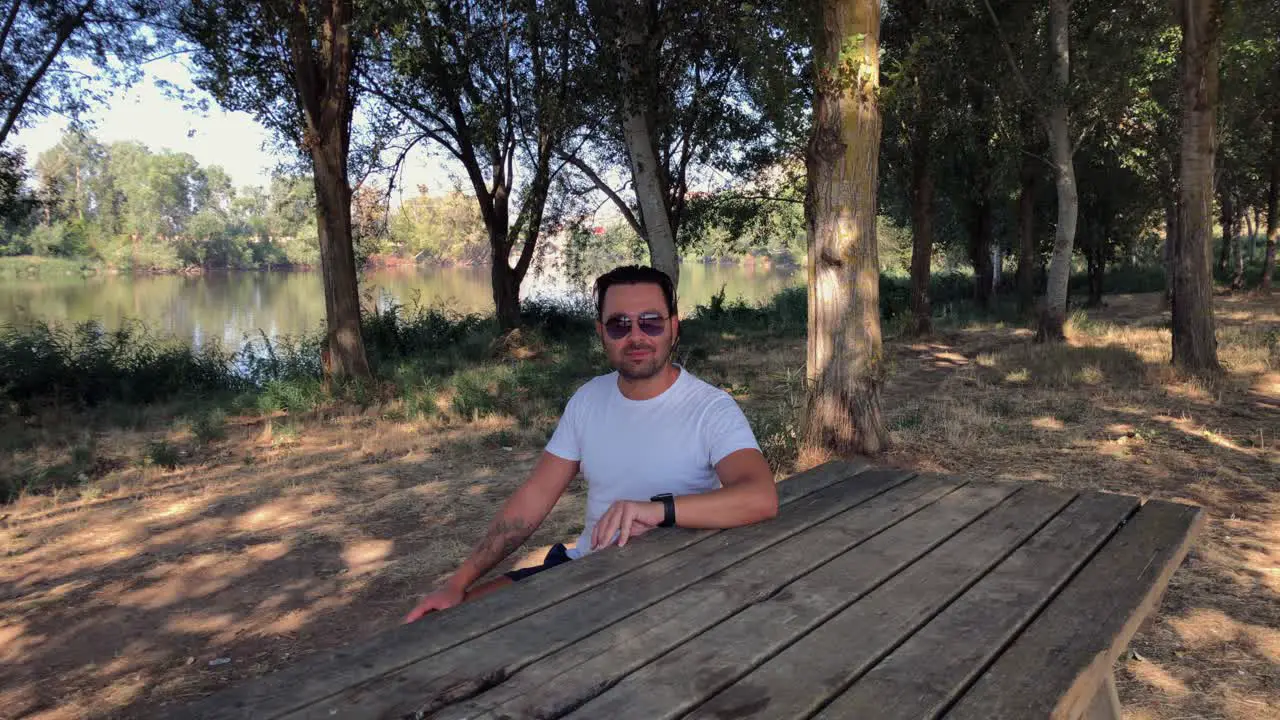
[442,599]
[629,519]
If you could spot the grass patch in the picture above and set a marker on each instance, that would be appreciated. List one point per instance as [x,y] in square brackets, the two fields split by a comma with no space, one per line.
[210,427]
[30,266]
[162,453]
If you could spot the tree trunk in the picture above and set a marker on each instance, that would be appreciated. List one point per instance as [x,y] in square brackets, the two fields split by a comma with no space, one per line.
[1097,260]
[1170,242]
[646,176]
[1227,220]
[980,228]
[344,343]
[1028,255]
[921,232]
[1273,200]
[1256,227]
[322,82]
[844,364]
[1195,347]
[1251,228]
[1237,246]
[626,26]
[506,294]
[1053,314]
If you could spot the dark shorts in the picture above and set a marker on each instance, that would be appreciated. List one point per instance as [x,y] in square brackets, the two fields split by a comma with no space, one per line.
[557,555]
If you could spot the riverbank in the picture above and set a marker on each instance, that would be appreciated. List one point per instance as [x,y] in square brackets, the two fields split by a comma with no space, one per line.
[37,266]
[262,531]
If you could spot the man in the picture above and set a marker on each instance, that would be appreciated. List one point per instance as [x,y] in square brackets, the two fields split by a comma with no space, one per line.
[657,447]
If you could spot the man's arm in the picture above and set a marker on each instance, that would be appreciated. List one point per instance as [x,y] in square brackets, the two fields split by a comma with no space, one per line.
[749,495]
[519,516]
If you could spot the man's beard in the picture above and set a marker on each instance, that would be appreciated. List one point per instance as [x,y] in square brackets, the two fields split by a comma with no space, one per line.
[646,370]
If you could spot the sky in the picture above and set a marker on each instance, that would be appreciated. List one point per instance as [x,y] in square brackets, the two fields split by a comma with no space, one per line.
[233,140]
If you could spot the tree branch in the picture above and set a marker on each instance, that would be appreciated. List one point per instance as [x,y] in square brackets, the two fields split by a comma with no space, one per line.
[1008,51]
[65,30]
[8,23]
[604,187]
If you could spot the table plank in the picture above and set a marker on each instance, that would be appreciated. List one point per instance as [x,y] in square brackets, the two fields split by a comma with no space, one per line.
[324,673]
[922,677]
[803,677]
[566,679]
[465,670]
[701,667]
[1056,666]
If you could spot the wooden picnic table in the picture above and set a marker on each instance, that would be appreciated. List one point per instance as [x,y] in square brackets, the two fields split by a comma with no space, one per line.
[876,593]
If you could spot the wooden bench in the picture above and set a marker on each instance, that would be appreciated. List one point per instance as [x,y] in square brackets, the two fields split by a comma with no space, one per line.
[875,593]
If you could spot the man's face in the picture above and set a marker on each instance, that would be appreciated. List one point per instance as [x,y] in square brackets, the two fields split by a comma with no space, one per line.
[639,309]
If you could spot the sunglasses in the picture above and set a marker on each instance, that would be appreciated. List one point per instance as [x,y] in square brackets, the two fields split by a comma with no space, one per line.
[650,323]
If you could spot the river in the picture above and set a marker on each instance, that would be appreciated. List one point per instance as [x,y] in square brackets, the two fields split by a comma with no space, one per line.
[230,306]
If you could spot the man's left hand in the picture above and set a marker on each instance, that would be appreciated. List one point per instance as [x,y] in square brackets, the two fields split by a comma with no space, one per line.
[627,519]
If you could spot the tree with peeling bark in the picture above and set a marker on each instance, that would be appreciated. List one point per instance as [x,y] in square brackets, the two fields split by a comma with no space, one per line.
[290,64]
[495,85]
[1195,346]
[1069,104]
[844,368]
[629,33]
[690,87]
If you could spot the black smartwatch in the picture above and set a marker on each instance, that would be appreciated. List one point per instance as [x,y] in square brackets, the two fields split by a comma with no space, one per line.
[668,509]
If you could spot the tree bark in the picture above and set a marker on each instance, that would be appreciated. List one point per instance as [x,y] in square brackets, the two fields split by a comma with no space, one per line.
[646,176]
[1227,220]
[1028,254]
[506,293]
[1195,347]
[980,228]
[1097,260]
[1053,314]
[322,80]
[1273,200]
[844,368]
[628,27]
[1170,242]
[1237,279]
[921,231]
[338,264]
[1251,228]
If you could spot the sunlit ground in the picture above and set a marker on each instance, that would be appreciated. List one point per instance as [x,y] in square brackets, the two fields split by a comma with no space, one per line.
[149,586]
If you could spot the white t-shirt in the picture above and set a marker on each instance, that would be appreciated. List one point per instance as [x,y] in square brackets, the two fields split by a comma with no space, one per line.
[635,449]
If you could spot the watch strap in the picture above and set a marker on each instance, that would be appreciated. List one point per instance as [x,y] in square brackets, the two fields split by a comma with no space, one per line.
[668,509]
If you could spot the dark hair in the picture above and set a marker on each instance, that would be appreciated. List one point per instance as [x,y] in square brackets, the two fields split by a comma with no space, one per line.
[634,275]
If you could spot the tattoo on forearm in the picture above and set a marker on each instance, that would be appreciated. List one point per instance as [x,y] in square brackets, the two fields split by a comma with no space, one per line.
[504,536]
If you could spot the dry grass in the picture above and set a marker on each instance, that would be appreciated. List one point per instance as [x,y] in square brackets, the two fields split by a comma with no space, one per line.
[284,538]
[1106,411]
[290,535]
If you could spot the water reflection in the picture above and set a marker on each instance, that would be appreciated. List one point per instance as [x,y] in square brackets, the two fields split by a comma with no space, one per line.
[229,306]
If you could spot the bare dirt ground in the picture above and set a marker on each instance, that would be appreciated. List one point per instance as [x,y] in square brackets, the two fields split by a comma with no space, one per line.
[154,586]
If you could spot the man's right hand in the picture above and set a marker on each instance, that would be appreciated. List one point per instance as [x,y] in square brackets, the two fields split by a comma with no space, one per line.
[442,599]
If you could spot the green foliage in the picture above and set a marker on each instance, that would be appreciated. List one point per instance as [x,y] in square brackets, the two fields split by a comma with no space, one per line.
[291,395]
[446,229]
[209,426]
[162,453]
[737,223]
[593,250]
[86,365]
[59,56]
[74,468]
[129,207]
